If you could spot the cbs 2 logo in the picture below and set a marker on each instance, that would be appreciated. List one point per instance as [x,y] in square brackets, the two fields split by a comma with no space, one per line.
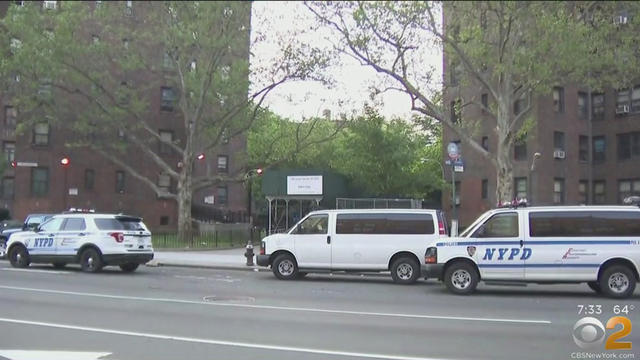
[588,333]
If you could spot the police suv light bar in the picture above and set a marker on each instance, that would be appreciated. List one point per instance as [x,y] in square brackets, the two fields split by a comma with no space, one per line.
[515,203]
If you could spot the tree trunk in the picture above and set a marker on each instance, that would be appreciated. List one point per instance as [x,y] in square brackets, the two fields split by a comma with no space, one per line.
[504,167]
[185,192]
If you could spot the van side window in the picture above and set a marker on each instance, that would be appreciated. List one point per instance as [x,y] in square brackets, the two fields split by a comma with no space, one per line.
[381,223]
[584,223]
[503,225]
[315,224]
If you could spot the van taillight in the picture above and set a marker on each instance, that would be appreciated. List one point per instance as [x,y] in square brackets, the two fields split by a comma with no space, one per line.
[431,256]
[262,250]
[117,236]
[441,229]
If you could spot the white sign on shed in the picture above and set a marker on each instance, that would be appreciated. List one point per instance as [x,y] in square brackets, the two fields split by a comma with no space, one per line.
[304,185]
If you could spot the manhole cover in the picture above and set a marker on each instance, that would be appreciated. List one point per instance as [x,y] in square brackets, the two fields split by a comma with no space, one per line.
[232,299]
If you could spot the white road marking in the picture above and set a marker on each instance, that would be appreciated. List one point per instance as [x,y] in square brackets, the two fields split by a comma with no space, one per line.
[37,271]
[282,308]
[48,355]
[214,341]
[191,277]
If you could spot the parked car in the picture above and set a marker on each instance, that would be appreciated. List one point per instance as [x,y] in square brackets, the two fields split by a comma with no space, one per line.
[599,245]
[30,223]
[354,241]
[92,240]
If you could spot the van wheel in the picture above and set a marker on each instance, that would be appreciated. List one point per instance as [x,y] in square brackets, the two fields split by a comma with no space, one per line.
[595,286]
[461,278]
[19,257]
[284,267]
[90,260]
[617,281]
[59,265]
[405,270]
[129,267]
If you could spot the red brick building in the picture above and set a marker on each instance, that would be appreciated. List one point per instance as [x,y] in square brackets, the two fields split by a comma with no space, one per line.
[40,183]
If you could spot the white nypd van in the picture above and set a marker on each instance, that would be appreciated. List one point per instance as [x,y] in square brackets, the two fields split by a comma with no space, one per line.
[360,240]
[90,239]
[599,245]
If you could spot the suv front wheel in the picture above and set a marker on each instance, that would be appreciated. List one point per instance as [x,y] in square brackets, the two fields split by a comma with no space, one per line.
[461,278]
[19,257]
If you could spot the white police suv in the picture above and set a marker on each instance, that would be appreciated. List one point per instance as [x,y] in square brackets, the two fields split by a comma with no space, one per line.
[599,245]
[92,240]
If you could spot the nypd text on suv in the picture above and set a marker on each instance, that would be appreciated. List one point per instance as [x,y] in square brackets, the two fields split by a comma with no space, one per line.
[597,245]
[92,240]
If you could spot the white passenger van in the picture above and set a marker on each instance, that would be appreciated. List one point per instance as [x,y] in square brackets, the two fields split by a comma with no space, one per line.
[599,245]
[354,241]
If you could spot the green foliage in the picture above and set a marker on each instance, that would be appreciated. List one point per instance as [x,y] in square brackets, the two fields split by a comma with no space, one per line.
[380,157]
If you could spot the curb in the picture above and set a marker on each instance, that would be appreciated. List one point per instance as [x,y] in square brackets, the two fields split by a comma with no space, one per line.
[204,266]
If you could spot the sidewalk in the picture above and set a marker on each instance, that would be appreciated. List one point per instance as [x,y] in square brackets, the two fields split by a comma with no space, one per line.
[231,259]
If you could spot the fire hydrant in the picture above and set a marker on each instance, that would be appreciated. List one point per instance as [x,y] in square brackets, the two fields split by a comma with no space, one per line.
[249,254]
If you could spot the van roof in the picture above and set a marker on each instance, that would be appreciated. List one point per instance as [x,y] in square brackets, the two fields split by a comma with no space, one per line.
[357,211]
[572,208]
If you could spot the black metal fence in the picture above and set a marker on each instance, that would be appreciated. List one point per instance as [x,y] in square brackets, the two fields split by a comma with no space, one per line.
[219,239]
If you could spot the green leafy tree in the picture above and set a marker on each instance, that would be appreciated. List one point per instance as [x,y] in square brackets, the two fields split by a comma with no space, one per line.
[101,69]
[510,50]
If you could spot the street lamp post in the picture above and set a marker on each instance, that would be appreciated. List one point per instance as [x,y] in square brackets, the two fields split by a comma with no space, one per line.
[536,156]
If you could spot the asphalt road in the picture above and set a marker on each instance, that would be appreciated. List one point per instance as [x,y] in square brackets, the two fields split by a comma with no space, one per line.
[179,313]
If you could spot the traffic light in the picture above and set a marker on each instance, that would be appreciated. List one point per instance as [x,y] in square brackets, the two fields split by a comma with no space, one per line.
[259,171]
[200,156]
[65,161]
[13,164]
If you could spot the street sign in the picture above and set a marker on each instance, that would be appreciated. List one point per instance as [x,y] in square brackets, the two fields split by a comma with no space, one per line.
[453,151]
[458,165]
[27,164]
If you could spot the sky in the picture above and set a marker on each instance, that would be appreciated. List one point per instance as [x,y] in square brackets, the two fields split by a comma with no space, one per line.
[307,99]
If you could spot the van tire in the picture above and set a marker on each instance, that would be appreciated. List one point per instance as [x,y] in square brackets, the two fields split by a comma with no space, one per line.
[90,260]
[461,278]
[595,286]
[617,281]
[405,270]
[19,256]
[285,267]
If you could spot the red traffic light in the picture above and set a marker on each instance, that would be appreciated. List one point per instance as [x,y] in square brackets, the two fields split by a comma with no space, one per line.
[200,156]
[65,161]
[259,171]
[13,164]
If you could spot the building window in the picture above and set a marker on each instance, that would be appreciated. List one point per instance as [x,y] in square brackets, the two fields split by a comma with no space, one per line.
[583,148]
[485,189]
[635,99]
[456,109]
[10,116]
[597,106]
[168,99]
[48,4]
[558,191]
[582,105]
[223,163]
[520,150]
[458,190]
[628,188]
[9,148]
[225,136]
[520,104]
[164,220]
[8,187]
[39,181]
[624,146]
[484,98]
[125,43]
[599,195]
[583,194]
[193,65]
[41,134]
[485,143]
[128,9]
[89,179]
[222,195]
[622,101]
[120,182]
[164,182]
[558,140]
[166,60]
[95,39]
[520,188]
[599,148]
[558,99]
[165,136]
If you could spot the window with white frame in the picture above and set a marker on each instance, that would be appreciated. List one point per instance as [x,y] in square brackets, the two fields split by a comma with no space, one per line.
[628,188]
[164,182]
[223,163]
[41,134]
[558,191]
[49,4]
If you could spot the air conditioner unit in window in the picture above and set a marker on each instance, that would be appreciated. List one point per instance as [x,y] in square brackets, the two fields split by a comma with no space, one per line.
[621,20]
[558,154]
[622,109]
[49,5]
